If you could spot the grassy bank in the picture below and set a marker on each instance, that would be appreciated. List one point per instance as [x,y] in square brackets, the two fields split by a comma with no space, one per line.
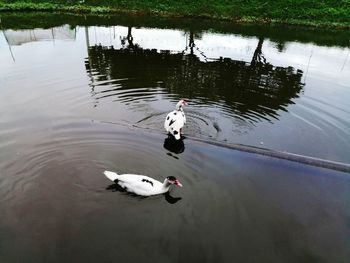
[328,13]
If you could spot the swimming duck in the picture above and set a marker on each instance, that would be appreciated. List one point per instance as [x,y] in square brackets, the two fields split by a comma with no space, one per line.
[175,120]
[141,184]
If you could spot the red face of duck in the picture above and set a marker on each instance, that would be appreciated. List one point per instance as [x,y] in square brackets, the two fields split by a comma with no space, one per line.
[174,181]
[181,103]
[184,102]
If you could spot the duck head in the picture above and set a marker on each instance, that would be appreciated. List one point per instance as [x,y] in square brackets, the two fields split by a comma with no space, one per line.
[173,180]
[181,103]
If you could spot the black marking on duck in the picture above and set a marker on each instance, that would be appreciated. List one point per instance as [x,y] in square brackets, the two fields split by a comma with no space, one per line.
[176,132]
[171,122]
[147,181]
[167,118]
[175,113]
[171,178]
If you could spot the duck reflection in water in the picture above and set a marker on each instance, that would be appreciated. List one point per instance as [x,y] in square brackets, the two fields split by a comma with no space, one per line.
[117,188]
[173,145]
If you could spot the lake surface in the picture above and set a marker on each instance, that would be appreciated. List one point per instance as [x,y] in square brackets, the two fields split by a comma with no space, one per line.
[82,94]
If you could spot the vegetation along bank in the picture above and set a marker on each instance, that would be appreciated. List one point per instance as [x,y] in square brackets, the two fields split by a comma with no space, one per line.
[322,13]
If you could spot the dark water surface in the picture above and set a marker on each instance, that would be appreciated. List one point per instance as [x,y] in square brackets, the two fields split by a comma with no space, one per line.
[79,95]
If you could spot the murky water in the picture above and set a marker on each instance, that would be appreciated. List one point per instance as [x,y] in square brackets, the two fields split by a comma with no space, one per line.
[79,95]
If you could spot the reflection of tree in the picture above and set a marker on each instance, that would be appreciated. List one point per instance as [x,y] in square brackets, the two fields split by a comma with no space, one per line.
[191,43]
[242,87]
[275,33]
[258,56]
[191,46]
[130,39]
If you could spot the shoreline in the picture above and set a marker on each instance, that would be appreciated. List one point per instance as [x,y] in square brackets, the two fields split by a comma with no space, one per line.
[108,10]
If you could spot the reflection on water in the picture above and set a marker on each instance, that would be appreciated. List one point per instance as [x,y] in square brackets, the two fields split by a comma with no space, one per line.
[253,90]
[234,92]
[19,37]
[173,145]
[117,188]
[242,86]
[71,109]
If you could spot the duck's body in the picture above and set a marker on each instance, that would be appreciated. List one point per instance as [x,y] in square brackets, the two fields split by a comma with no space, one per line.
[141,184]
[175,120]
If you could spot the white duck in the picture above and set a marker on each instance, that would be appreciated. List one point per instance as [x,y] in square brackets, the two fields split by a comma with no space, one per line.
[175,120]
[141,184]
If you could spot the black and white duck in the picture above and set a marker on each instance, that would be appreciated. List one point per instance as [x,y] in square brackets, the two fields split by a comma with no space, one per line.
[141,184]
[175,120]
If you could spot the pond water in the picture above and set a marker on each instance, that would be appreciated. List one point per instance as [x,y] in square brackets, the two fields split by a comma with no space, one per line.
[82,94]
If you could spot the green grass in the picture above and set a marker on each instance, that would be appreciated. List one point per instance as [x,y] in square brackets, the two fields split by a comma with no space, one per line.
[330,13]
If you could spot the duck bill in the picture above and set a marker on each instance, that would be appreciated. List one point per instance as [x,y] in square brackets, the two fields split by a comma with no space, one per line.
[177,183]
